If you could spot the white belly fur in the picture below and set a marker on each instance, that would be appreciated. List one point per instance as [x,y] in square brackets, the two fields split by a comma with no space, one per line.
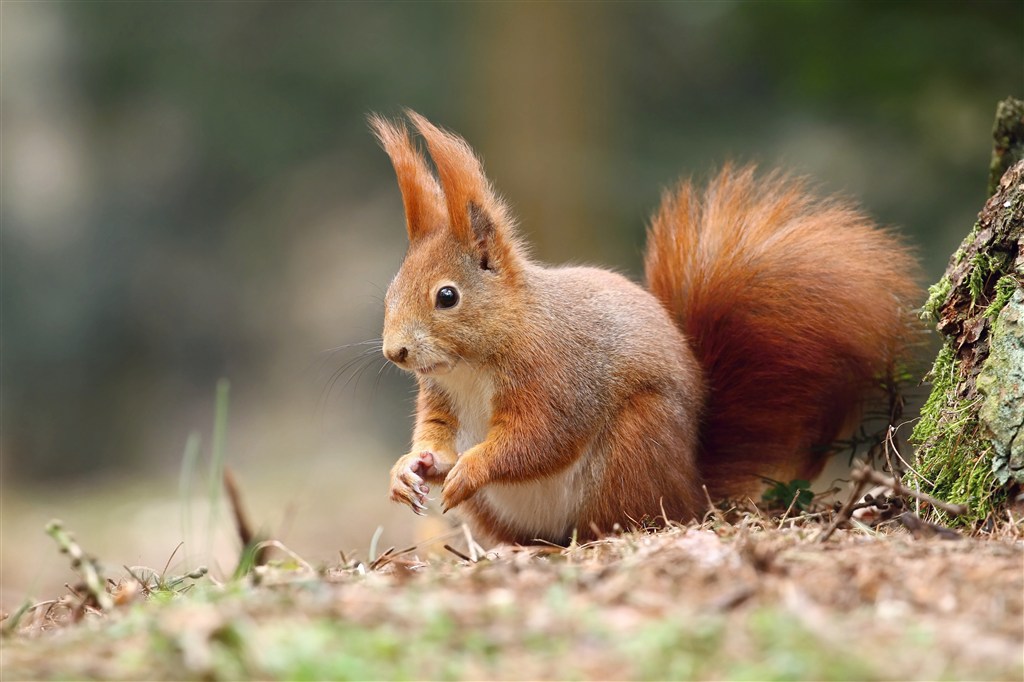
[546,507]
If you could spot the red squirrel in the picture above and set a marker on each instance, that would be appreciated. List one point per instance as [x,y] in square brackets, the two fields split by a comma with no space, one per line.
[558,402]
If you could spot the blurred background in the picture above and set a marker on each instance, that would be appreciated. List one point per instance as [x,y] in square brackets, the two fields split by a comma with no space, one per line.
[190,192]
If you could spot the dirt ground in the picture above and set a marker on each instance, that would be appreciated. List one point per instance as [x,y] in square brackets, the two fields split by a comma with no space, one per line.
[753,599]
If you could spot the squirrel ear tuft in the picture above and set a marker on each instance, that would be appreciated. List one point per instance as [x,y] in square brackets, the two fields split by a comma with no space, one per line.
[462,179]
[421,195]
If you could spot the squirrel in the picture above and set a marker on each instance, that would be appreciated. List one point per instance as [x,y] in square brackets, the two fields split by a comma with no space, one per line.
[562,402]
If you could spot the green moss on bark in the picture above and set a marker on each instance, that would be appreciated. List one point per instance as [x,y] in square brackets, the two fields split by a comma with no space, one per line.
[955,459]
[937,294]
[971,433]
[1005,288]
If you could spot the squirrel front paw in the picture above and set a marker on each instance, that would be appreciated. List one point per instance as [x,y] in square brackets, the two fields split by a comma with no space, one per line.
[463,481]
[409,476]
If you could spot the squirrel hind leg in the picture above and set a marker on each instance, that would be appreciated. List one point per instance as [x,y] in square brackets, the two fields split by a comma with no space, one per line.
[650,471]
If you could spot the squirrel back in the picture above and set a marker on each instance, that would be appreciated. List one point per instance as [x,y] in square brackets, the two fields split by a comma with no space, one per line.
[560,402]
[796,307]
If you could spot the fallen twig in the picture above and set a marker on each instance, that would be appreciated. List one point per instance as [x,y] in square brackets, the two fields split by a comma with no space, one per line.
[868,475]
[458,553]
[389,556]
[475,550]
[383,556]
[282,548]
[921,528]
[712,509]
[844,514]
[865,475]
[242,523]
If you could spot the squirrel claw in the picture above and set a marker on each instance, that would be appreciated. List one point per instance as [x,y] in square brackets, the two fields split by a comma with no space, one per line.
[462,483]
[409,478]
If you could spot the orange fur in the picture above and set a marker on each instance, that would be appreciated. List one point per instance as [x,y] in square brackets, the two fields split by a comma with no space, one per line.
[795,307]
[421,195]
[461,175]
[562,400]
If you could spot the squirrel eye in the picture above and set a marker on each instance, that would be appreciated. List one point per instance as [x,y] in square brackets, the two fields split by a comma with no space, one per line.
[447,297]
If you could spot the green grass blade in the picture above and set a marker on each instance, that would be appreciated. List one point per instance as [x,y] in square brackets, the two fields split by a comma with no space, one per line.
[189,459]
[217,454]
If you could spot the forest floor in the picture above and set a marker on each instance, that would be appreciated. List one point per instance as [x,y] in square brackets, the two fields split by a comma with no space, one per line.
[754,598]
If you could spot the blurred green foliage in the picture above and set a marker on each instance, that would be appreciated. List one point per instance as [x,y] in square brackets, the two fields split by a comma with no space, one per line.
[190,190]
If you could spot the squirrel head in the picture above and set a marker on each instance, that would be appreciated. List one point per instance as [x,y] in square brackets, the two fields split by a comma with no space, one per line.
[464,261]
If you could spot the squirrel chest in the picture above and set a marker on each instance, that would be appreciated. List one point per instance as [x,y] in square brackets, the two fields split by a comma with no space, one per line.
[547,506]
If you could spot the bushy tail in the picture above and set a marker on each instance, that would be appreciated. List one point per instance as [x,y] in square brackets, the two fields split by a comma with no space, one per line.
[794,305]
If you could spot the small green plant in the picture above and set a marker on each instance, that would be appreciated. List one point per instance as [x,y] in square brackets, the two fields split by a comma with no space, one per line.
[796,494]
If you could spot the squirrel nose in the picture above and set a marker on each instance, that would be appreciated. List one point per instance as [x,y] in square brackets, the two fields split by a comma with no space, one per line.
[397,356]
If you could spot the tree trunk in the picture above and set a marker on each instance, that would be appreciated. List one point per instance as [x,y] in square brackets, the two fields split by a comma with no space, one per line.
[971,432]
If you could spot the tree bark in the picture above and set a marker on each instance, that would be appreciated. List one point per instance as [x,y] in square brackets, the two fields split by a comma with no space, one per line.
[971,432]
[1008,138]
